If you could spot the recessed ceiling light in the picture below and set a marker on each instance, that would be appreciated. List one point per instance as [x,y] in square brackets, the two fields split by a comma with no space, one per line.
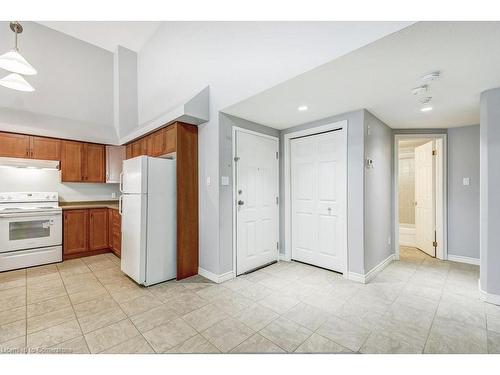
[433,76]
[302,108]
[426,109]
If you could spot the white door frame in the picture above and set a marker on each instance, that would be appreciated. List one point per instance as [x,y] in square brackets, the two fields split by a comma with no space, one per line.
[287,201]
[441,192]
[235,188]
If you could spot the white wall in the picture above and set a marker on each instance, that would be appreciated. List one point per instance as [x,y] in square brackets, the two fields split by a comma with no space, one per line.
[21,179]
[463,201]
[237,60]
[74,87]
[378,210]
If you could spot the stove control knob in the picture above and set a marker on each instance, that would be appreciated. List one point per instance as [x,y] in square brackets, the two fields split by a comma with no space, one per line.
[47,197]
[9,197]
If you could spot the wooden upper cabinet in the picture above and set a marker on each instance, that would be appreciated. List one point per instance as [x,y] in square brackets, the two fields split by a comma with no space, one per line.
[138,148]
[45,148]
[75,231]
[170,139]
[98,229]
[157,143]
[94,169]
[72,154]
[83,162]
[14,145]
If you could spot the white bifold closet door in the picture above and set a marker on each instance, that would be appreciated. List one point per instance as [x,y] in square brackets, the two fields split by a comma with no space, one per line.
[318,192]
[257,188]
[425,212]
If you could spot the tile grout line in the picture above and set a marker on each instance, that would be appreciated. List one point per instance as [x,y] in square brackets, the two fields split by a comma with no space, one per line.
[73,307]
[127,316]
[435,312]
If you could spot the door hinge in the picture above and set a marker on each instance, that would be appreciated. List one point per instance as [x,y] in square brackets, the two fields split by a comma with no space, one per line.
[277,200]
[434,243]
[236,158]
[434,152]
[277,245]
[277,155]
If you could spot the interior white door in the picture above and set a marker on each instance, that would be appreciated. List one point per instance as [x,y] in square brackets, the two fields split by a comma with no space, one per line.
[256,201]
[425,217]
[318,193]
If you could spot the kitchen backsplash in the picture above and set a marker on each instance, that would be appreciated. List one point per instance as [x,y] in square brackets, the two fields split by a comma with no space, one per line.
[24,179]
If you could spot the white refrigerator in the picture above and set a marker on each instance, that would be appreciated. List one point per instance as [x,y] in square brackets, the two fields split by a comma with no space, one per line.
[148,209]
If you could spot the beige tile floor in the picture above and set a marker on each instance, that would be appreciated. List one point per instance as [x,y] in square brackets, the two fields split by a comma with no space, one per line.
[416,305]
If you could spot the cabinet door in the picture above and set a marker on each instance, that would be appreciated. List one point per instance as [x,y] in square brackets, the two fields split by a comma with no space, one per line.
[98,228]
[95,163]
[45,148]
[75,231]
[128,151]
[114,162]
[137,148]
[72,161]
[170,139]
[110,228]
[116,233]
[14,145]
[157,144]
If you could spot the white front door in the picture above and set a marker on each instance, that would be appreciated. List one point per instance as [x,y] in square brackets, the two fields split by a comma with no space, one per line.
[425,217]
[318,192]
[256,201]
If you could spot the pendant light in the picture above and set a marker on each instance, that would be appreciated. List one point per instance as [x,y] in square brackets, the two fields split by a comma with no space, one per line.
[17,64]
[16,82]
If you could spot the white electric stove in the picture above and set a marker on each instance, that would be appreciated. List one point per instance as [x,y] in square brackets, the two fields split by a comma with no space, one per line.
[30,230]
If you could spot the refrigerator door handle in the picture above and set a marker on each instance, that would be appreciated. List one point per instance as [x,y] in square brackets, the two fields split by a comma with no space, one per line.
[120,204]
[121,182]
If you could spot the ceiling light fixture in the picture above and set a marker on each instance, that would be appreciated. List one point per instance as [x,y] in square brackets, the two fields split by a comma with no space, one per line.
[426,109]
[302,108]
[419,90]
[433,76]
[16,82]
[425,99]
[17,64]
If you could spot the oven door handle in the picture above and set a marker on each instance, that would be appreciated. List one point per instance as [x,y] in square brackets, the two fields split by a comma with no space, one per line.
[30,214]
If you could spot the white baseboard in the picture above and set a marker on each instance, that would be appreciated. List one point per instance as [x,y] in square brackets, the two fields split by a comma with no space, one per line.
[488,297]
[359,278]
[216,278]
[373,272]
[461,259]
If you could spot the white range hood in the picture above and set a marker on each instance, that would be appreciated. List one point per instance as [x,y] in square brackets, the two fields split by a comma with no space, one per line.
[29,163]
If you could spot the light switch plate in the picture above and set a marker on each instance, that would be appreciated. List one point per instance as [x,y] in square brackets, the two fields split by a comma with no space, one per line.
[466,181]
[224,180]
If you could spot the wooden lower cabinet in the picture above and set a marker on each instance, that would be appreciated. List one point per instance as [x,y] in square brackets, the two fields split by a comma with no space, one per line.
[85,232]
[98,229]
[75,233]
[115,231]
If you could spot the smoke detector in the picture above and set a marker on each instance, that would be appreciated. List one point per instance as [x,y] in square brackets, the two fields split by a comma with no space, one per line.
[425,99]
[419,90]
[433,76]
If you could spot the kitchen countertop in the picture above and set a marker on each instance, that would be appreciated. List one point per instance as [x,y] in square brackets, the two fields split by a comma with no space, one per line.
[90,204]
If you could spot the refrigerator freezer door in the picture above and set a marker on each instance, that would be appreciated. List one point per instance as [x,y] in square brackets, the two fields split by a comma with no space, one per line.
[133,252]
[135,175]
[161,255]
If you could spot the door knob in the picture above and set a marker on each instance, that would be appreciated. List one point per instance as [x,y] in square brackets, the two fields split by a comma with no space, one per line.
[241,203]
